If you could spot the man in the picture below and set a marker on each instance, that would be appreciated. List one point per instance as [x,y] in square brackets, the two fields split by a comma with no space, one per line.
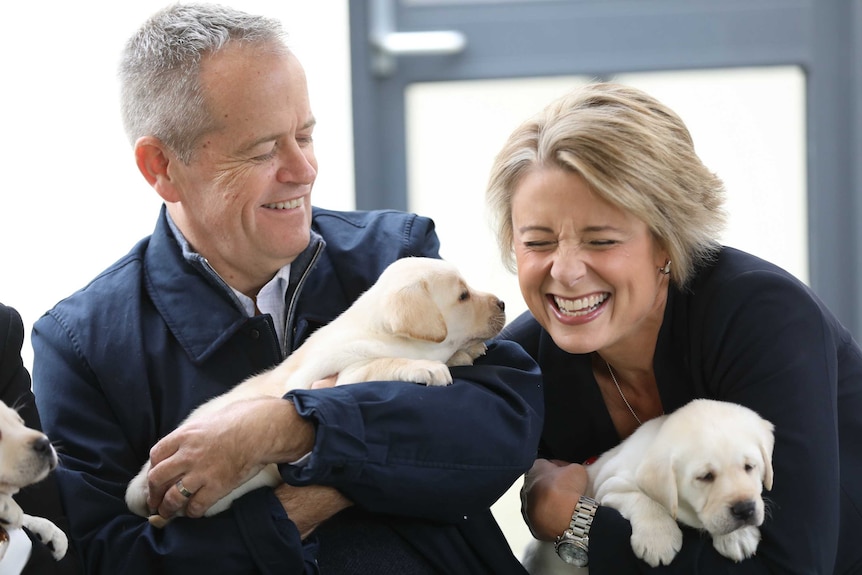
[237,273]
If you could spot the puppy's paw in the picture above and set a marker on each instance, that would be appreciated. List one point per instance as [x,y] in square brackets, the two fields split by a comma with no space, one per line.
[467,355]
[657,540]
[10,512]
[738,545]
[136,493]
[49,534]
[427,372]
[158,521]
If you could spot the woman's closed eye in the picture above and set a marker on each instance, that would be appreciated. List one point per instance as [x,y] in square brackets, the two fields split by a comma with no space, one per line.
[539,244]
[602,243]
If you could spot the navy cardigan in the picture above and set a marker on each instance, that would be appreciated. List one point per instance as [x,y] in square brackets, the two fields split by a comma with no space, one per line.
[748,332]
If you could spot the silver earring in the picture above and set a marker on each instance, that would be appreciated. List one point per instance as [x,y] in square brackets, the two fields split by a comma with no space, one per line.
[666,269]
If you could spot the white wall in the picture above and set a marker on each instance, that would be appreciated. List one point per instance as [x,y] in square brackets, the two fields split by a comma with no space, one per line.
[71,198]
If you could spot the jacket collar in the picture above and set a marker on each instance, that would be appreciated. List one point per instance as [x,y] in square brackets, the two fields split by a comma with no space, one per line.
[199,309]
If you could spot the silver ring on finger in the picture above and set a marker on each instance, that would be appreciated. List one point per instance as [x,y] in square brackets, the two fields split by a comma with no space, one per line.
[183,491]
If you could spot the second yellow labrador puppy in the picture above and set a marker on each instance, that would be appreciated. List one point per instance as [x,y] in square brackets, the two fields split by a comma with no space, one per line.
[705,465]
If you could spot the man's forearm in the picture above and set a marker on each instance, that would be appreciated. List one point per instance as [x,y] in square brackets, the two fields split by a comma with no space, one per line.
[310,506]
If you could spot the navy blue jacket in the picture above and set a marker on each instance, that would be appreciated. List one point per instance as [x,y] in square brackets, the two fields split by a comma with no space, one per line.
[121,362]
[750,333]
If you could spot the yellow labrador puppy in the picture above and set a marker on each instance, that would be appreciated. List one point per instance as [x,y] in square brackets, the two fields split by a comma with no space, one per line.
[417,319]
[26,457]
[705,465]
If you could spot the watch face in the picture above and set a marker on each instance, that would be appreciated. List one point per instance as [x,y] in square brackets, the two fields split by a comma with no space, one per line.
[572,553]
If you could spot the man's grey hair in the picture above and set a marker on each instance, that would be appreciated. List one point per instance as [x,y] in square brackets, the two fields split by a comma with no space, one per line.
[161,94]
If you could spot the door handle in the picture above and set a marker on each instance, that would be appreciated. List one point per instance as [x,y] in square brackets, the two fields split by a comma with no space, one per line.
[388,44]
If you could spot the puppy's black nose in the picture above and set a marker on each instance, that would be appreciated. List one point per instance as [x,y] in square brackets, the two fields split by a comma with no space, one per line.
[42,446]
[501,304]
[743,510]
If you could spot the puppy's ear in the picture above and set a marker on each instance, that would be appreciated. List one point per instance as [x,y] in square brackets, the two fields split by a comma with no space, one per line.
[655,477]
[411,312]
[767,444]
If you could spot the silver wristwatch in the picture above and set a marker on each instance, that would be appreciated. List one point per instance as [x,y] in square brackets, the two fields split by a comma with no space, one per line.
[572,546]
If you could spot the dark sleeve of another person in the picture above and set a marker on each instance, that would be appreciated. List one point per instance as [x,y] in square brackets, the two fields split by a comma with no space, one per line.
[43,498]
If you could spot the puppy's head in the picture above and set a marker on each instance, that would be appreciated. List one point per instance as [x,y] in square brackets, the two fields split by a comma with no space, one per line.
[427,299]
[26,455]
[709,465]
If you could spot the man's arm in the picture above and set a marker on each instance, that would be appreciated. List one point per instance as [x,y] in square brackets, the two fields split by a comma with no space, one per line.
[99,433]
[433,452]
[440,453]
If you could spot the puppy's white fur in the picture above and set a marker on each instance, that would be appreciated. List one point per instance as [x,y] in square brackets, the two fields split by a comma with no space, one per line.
[705,466]
[417,319]
[26,457]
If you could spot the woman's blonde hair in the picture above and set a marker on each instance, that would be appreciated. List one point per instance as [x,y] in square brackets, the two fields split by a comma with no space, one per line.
[633,152]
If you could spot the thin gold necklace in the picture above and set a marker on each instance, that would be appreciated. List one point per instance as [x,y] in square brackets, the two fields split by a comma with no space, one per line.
[616,383]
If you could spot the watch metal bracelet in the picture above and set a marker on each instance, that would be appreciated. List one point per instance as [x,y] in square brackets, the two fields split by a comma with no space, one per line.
[582,517]
[574,544]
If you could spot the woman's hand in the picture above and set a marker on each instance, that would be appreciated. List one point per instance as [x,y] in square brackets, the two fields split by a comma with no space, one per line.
[549,495]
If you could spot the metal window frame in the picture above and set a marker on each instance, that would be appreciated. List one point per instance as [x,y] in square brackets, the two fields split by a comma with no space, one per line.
[606,37]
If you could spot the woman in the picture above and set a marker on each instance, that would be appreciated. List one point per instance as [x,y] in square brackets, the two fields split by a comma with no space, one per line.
[43,498]
[612,223]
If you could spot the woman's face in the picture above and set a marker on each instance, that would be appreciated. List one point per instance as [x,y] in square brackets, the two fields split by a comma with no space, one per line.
[588,271]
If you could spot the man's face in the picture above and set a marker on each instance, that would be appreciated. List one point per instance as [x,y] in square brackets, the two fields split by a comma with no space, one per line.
[244,199]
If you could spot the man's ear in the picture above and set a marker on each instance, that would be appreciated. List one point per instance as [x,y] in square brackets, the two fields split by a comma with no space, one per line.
[153,159]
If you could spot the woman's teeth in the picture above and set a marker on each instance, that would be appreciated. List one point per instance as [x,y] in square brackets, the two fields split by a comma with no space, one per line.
[580,306]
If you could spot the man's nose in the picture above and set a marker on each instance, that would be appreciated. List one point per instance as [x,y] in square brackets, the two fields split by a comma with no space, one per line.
[296,166]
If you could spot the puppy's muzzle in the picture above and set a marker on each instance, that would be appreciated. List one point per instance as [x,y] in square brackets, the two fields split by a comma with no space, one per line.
[45,451]
[745,512]
[498,318]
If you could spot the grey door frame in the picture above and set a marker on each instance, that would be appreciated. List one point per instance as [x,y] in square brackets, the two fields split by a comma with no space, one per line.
[602,38]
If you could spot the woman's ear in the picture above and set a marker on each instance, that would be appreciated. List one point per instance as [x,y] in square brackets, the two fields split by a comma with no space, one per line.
[153,159]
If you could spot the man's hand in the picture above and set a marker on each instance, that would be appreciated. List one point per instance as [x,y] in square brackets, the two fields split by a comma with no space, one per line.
[310,506]
[549,495]
[215,454]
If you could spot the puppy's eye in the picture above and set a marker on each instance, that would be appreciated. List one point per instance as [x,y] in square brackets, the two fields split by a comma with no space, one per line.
[749,468]
[465,295]
[707,477]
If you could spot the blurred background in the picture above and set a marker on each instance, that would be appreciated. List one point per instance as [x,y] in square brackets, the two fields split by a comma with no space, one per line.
[413,99]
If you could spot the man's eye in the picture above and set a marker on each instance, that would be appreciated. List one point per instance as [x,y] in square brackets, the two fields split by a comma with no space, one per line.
[265,157]
[268,155]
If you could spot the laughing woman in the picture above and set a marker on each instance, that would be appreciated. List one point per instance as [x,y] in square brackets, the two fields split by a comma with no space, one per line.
[635,308]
